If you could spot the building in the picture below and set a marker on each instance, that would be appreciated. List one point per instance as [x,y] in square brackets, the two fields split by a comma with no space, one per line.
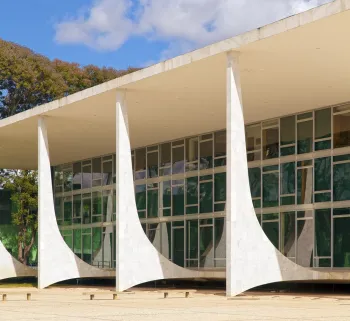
[232,161]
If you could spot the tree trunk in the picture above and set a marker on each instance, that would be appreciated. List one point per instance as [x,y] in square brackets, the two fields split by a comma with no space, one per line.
[28,247]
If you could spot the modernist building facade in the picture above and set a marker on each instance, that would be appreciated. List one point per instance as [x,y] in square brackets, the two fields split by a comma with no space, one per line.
[229,162]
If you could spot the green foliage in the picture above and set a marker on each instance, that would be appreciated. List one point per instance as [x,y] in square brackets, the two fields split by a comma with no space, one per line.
[24,191]
[28,79]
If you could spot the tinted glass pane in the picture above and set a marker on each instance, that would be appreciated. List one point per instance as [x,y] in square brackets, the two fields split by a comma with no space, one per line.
[323,145]
[96,171]
[206,197]
[270,143]
[86,182]
[178,200]
[140,191]
[341,130]
[206,247]
[192,153]
[271,230]
[323,120]
[323,232]
[341,242]
[77,176]
[341,182]
[97,252]
[220,187]
[323,174]
[253,138]
[67,180]
[67,210]
[288,178]
[192,239]
[96,203]
[270,190]
[108,206]
[288,246]
[76,209]
[107,174]
[304,184]
[285,151]
[178,160]
[255,181]
[219,238]
[192,190]
[305,234]
[152,203]
[206,154]
[287,130]
[165,154]
[86,209]
[305,137]
[152,164]
[77,242]
[178,246]
[165,187]
[140,163]
[220,144]
[323,197]
[86,248]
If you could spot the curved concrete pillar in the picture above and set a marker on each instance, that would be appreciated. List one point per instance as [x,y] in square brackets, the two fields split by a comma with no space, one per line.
[11,268]
[252,260]
[57,262]
[137,260]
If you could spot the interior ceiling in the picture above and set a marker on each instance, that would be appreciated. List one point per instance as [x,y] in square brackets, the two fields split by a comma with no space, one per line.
[298,70]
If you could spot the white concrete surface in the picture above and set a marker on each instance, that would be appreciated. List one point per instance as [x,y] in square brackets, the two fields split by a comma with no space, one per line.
[56,260]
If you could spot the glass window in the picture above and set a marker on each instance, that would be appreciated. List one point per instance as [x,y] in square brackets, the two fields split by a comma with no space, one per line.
[323,225]
[67,180]
[96,172]
[255,181]
[220,143]
[341,182]
[152,203]
[108,198]
[323,174]
[77,176]
[192,154]
[270,143]
[77,209]
[97,252]
[178,204]
[192,190]
[341,127]
[287,130]
[192,242]
[96,207]
[67,203]
[220,241]
[206,259]
[59,208]
[253,141]
[86,208]
[271,230]
[140,191]
[305,137]
[77,242]
[179,246]
[165,187]
[206,197]
[305,234]
[140,163]
[86,182]
[288,247]
[107,174]
[287,178]
[86,248]
[323,123]
[220,187]
[270,190]
[304,185]
[206,154]
[165,155]
[178,160]
[341,241]
[58,180]
[152,164]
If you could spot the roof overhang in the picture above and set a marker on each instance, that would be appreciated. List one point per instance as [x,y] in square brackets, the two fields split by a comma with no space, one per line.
[293,65]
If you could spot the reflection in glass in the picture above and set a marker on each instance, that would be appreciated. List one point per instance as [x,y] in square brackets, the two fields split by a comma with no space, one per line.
[206,154]
[287,130]
[305,235]
[67,203]
[304,186]
[86,208]
[86,251]
[271,230]
[77,242]
[77,176]
[341,182]
[140,163]
[107,206]
[165,155]
[67,180]
[253,138]
[107,173]
[288,246]
[206,197]
[220,187]
[179,246]
[86,182]
[341,242]
[305,137]
[206,259]
[96,172]
[270,190]
[270,143]
[323,174]
[287,178]
[255,181]
[220,143]
[191,154]
[96,207]
[341,128]
[323,227]
[192,190]
[178,160]
[192,242]
[77,209]
[323,125]
[97,252]
[152,164]
[152,203]
[220,242]
[178,200]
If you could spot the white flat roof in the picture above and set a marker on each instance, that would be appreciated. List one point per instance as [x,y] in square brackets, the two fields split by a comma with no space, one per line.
[296,64]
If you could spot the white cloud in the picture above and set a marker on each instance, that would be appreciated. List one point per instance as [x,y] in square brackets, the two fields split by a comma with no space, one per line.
[185,24]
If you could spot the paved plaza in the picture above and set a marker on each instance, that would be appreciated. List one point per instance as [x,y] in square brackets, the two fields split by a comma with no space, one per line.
[70,304]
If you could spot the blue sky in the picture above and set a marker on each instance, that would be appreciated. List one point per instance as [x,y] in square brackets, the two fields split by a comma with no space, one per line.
[122,33]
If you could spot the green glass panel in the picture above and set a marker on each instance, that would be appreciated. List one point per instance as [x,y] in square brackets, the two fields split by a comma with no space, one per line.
[96,219]
[288,178]
[77,209]
[341,211]
[220,187]
[341,242]
[323,174]
[304,186]
[96,244]
[140,191]
[287,125]
[86,209]
[305,137]
[341,158]
[220,162]
[270,168]
[166,188]
[206,197]
[69,240]
[341,130]
[257,203]
[270,190]
[96,203]
[67,211]
[206,178]
[178,246]
[152,164]
[206,245]
[219,207]
[327,144]
[271,230]
[219,238]
[87,248]
[206,154]
[288,234]
[192,239]
[152,203]
[270,143]
[178,200]
[285,151]
[77,242]
[268,217]
[324,263]
[323,225]
[255,181]
[304,116]
[192,190]
[142,214]
[323,197]
[304,163]
[167,212]
[58,209]
[258,216]
[323,123]
[287,200]
[341,182]
[192,210]
[67,180]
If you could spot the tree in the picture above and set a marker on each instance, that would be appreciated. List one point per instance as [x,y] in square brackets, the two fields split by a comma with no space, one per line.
[24,191]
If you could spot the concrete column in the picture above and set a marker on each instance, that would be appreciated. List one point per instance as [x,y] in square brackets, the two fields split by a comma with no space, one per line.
[56,260]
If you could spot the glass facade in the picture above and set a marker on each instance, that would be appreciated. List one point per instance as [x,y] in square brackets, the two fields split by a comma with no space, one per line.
[299,174]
